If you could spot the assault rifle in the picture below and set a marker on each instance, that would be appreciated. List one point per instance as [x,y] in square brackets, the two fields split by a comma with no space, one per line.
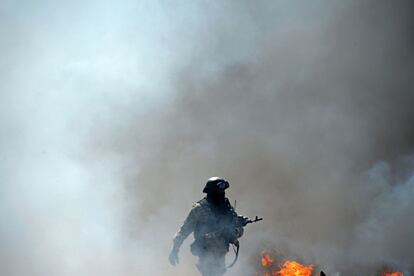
[246,220]
[230,235]
[228,231]
[242,221]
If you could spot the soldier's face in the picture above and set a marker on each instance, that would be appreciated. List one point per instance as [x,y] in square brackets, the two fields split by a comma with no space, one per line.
[222,185]
[221,193]
[217,196]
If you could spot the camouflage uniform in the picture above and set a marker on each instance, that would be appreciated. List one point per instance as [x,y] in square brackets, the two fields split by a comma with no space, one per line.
[214,229]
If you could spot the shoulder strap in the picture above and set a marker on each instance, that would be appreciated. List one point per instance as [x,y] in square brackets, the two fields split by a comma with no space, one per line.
[236,248]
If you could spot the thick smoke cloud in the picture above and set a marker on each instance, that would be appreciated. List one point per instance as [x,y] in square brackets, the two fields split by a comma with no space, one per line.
[294,126]
[306,108]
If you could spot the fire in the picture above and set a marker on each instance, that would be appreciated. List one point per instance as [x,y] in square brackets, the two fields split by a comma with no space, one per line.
[271,267]
[292,268]
[268,260]
[393,274]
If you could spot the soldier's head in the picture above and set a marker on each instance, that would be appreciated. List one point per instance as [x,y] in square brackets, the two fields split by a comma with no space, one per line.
[215,188]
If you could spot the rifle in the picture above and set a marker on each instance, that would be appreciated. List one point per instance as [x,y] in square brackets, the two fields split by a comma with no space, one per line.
[228,233]
[236,244]
[247,220]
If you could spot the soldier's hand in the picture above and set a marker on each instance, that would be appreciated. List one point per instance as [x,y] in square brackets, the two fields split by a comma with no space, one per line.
[243,220]
[174,257]
[238,232]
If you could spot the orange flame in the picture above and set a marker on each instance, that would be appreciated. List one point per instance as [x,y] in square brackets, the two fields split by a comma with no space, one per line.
[266,260]
[292,268]
[393,274]
[289,268]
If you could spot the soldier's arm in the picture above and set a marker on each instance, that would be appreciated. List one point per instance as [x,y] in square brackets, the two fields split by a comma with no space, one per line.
[186,228]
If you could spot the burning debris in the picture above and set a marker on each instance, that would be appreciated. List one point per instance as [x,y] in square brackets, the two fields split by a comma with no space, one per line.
[267,260]
[271,267]
[392,274]
[293,268]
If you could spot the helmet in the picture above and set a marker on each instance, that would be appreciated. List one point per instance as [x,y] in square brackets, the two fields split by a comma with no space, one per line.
[216,184]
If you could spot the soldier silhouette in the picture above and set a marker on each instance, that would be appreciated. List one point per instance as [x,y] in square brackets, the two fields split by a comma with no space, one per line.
[215,225]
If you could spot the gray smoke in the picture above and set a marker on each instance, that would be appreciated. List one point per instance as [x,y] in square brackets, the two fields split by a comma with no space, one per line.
[115,115]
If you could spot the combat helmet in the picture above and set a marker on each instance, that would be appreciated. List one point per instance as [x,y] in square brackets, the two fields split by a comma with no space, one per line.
[215,184]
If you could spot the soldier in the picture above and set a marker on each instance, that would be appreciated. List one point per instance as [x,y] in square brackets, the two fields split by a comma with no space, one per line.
[215,225]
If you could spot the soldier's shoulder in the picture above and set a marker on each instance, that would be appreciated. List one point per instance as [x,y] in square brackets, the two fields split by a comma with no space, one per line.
[200,204]
[199,208]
